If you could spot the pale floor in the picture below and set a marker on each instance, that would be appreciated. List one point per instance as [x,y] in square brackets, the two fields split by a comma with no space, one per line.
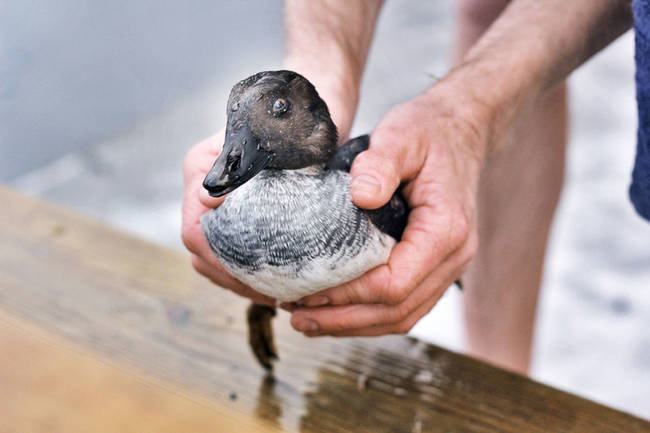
[115,152]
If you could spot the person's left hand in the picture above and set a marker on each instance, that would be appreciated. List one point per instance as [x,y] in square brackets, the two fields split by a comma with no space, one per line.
[436,151]
[196,202]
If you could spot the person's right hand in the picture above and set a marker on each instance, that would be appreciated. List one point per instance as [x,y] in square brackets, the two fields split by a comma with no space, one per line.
[196,202]
[434,147]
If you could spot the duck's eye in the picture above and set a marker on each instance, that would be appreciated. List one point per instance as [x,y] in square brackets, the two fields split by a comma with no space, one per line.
[280,106]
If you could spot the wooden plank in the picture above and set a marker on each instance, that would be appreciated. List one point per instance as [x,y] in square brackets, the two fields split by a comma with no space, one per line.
[50,386]
[142,305]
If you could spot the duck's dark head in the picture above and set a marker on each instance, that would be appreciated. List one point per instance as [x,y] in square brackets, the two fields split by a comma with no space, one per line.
[275,120]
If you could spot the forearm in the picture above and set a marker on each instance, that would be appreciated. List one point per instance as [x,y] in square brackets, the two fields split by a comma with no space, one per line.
[328,41]
[529,49]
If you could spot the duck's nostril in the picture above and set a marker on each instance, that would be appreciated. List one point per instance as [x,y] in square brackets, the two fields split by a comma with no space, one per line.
[233,162]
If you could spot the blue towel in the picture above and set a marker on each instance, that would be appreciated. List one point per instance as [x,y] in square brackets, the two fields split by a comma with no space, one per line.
[640,187]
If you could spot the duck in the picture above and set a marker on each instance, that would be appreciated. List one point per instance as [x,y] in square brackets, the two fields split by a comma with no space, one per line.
[288,227]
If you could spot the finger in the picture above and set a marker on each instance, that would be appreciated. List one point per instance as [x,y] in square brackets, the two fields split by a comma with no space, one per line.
[420,251]
[198,161]
[427,242]
[203,258]
[369,288]
[192,211]
[376,173]
[200,157]
[401,327]
[334,319]
[222,278]
[403,324]
[345,317]
[374,180]
[218,275]
[206,199]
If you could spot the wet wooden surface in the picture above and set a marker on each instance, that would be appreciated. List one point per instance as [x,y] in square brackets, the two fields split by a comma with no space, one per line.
[97,319]
[50,385]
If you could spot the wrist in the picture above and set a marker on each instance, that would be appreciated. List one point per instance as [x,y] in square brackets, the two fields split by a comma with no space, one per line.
[472,118]
[337,83]
[487,99]
[328,42]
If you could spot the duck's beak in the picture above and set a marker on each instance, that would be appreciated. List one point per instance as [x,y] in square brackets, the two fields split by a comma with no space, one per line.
[241,158]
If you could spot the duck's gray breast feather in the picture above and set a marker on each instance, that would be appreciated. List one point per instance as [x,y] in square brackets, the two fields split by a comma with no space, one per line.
[294,228]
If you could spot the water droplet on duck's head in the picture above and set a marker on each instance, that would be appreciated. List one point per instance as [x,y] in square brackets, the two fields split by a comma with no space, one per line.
[234,106]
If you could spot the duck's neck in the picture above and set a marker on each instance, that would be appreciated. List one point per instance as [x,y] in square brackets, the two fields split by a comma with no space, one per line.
[273,181]
[312,170]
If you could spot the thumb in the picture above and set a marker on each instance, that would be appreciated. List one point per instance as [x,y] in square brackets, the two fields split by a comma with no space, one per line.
[374,179]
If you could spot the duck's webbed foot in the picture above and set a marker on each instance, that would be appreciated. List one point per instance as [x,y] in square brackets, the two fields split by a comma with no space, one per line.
[260,334]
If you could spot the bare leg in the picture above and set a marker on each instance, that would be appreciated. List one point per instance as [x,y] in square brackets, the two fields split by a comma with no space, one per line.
[519,191]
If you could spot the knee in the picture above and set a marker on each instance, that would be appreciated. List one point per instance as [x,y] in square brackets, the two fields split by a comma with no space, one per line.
[480,12]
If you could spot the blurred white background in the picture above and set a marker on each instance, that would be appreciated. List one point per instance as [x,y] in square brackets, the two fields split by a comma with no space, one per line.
[99,101]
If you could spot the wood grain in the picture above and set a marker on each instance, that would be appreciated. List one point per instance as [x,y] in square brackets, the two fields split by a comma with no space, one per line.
[49,385]
[142,306]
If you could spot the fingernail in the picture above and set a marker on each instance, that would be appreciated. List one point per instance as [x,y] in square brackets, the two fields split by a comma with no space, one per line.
[303,325]
[317,301]
[365,184]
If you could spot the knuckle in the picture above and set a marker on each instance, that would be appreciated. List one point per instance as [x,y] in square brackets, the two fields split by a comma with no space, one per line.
[196,263]
[391,128]
[396,292]
[191,153]
[467,254]
[460,230]
[403,327]
[343,323]
[187,241]
[189,238]
[353,292]
[407,324]
[351,295]
[189,165]
[401,312]
[363,158]
[378,162]
[388,168]
[471,248]
[391,172]
[363,162]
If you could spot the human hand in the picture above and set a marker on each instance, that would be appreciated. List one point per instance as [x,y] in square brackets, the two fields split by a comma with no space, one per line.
[435,146]
[196,202]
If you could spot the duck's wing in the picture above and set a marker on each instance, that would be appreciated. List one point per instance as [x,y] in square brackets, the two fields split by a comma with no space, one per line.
[342,159]
[390,218]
